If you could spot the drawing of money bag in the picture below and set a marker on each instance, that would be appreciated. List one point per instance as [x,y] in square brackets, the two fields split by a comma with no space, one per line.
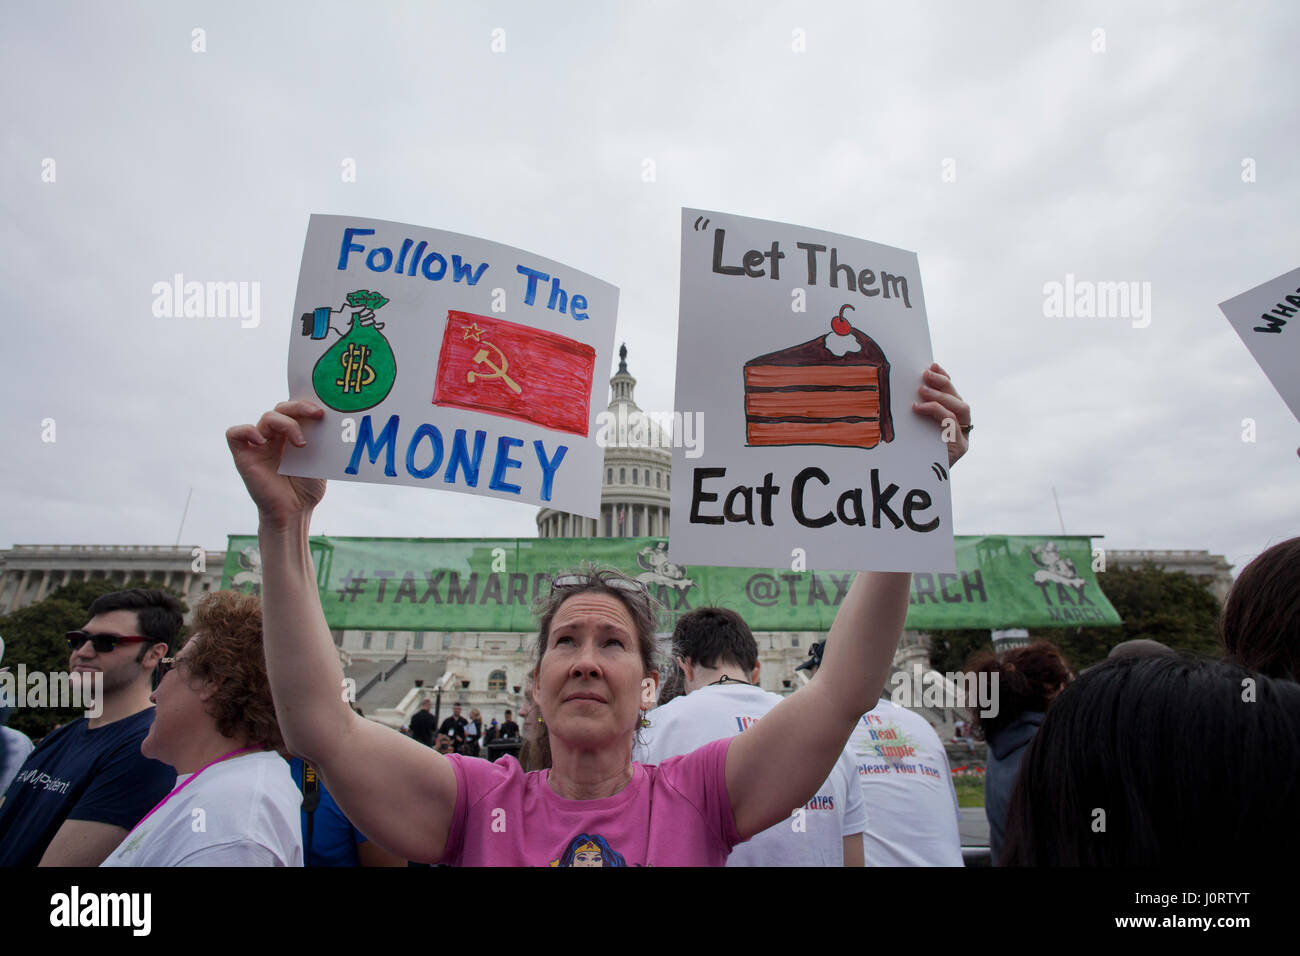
[359,370]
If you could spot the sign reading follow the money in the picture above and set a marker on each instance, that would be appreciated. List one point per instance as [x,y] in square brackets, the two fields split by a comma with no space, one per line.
[805,350]
[451,362]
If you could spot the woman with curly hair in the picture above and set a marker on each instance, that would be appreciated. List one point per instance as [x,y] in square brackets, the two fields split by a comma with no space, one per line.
[235,802]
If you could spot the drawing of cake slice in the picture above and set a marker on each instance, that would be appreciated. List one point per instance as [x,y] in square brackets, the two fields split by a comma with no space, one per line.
[833,390]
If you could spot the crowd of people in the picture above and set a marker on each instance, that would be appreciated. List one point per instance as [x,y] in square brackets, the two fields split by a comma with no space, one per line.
[245,754]
[467,736]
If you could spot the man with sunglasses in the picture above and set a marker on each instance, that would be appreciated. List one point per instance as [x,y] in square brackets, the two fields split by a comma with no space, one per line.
[86,784]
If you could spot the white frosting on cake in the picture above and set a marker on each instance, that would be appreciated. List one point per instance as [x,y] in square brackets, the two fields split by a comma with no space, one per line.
[840,345]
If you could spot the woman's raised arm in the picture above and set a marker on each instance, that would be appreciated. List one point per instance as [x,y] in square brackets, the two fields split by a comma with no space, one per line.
[779,762]
[398,792]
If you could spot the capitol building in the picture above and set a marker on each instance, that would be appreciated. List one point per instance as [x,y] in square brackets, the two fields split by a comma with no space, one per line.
[391,672]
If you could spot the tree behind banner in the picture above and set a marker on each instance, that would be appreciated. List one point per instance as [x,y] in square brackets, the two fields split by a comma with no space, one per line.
[1171,607]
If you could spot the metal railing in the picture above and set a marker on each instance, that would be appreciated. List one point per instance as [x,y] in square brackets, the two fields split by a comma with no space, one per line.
[381,676]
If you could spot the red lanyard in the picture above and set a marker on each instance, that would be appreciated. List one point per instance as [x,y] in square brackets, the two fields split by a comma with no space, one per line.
[233,753]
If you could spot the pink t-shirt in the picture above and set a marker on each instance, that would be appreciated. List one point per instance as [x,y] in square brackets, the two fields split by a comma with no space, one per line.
[673,814]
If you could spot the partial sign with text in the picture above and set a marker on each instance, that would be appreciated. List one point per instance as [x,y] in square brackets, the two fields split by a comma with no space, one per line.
[805,349]
[451,362]
[1268,320]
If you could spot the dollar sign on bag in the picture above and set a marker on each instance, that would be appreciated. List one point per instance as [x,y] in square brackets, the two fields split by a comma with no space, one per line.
[357,372]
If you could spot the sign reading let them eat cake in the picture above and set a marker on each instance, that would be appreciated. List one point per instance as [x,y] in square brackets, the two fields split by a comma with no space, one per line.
[801,352]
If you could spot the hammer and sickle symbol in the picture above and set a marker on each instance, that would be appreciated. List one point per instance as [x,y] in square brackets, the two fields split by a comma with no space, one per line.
[498,371]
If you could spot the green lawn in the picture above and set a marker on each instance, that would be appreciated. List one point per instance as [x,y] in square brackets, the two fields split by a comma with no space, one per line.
[970,791]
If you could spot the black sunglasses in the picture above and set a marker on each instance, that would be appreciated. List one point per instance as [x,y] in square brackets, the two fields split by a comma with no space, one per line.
[102,643]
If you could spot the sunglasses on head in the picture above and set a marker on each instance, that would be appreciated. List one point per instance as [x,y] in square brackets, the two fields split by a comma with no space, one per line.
[611,579]
[102,643]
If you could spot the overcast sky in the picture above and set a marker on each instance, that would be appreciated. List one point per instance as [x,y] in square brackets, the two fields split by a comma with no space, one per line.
[1100,141]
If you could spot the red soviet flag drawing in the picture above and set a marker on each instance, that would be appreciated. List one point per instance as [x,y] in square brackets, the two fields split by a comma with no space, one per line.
[515,371]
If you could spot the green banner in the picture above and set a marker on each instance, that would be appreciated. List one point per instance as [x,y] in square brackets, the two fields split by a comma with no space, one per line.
[475,584]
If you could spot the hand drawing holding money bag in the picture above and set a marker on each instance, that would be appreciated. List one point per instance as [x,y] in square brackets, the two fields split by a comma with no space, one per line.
[358,371]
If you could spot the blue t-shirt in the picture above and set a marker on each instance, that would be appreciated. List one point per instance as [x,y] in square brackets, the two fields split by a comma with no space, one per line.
[76,773]
[333,837]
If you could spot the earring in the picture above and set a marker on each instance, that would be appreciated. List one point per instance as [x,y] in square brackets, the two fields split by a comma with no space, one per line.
[541,719]
[645,721]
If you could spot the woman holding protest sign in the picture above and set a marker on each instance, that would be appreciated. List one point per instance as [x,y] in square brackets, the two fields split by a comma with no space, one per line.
[595,675]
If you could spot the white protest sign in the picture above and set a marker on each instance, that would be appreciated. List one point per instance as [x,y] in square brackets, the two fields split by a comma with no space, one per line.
[451,362]
[803,351]
[1268,320]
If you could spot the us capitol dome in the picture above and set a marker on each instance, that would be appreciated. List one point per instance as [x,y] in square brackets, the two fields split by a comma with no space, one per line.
[638,461]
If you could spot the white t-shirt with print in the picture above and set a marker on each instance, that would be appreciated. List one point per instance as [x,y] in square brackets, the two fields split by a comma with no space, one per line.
[814,837]
[912,814]
[240,812]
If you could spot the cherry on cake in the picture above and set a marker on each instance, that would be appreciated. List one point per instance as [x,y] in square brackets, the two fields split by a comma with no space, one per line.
[832,390]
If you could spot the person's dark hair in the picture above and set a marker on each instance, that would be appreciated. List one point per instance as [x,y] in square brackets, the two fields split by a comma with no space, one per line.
[1141,647]
[672,683]
[589,579]
[1192,762]
[1260,624]
[715,637]
[535,749]
[159,614]
[230,653]
[1026,678]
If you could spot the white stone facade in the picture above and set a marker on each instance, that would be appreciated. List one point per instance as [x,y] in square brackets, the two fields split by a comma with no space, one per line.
[1213,568]
[30,572]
